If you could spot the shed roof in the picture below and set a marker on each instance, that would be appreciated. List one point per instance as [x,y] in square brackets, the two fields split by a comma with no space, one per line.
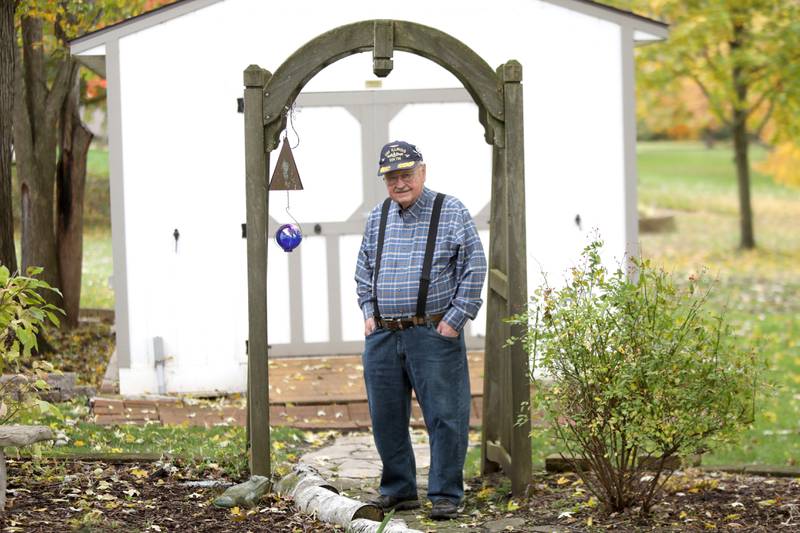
[650,29]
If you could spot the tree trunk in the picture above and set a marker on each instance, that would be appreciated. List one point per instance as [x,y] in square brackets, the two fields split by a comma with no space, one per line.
[740,147]
[37,110]
[741,142]
[70,187]
[8,45]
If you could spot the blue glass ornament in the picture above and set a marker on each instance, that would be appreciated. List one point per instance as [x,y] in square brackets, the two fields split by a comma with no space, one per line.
[288,237]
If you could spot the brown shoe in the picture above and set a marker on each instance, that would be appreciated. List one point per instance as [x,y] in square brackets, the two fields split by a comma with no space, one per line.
[387,503]
[444,509]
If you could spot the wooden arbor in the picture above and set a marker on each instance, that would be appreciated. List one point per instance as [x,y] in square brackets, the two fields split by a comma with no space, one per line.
[498,94]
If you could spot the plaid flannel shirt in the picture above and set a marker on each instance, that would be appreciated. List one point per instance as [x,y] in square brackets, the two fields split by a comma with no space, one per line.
[459,264]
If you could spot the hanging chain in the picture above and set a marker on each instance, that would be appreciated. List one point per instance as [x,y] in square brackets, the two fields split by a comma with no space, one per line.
[290,114]
[287,210]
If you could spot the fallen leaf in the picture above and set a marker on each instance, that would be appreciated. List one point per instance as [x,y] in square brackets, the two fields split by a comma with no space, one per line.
[485,493]
[138,473]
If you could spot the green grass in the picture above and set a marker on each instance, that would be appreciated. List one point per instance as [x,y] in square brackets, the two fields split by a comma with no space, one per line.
[97,163]
[97,259]
[215,448]
[98,266]
[689,177]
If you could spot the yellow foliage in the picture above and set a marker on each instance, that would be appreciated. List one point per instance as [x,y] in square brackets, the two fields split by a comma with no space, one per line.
[138,473]
[783,164]
[485,493]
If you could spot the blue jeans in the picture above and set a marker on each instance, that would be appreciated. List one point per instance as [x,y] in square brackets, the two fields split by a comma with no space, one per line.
[435,366]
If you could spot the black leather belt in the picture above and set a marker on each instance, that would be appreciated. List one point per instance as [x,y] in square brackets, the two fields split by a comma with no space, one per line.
[409,322]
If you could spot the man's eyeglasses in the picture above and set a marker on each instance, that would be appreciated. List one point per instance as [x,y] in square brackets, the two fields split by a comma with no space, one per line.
[406,177]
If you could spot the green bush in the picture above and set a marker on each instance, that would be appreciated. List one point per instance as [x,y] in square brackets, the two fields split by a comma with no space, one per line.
[637,372]
[23,313]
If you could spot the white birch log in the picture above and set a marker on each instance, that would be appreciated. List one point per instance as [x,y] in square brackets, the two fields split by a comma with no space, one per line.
[313,495]
[334,508]
[301,477]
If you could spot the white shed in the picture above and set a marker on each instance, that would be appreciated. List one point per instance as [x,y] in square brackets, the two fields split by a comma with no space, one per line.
[176,145]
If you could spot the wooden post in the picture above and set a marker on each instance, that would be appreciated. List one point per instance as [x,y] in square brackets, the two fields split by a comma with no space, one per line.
[495,369]
[257,175]
[517,275]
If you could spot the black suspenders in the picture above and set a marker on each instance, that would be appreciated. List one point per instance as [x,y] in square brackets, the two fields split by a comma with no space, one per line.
[425,279]
[381,235]
[427,263]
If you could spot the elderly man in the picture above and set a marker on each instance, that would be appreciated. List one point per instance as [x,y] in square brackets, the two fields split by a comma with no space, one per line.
[419,275]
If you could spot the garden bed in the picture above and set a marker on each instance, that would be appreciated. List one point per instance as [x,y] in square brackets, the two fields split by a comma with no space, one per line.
[57,495]
[693,501]
[97,496]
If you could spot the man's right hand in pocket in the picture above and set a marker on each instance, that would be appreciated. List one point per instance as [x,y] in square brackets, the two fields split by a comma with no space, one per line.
[369,326]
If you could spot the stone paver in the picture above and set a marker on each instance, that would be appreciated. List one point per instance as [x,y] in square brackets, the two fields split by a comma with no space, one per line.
[352,465]
[352,462]
[505,524]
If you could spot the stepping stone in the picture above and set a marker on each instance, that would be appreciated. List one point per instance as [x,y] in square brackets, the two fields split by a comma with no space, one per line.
[18,436]
[506,524]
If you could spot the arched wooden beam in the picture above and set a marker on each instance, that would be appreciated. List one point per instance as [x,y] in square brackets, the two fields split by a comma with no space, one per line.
[478,78]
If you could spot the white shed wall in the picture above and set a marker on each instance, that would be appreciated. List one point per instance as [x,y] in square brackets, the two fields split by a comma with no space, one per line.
[183,161]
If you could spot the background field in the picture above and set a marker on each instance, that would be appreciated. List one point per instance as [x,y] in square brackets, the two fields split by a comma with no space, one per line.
[759,290]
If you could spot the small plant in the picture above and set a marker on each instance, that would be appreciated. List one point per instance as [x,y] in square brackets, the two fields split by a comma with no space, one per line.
[639,371]
[23,313]
[385,522]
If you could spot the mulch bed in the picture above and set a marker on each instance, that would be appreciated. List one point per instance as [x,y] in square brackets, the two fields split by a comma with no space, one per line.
[51,495]
[92,496]
[693,501]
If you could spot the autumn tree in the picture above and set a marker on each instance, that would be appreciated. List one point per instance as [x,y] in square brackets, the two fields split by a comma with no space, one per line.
[783,164]
[744,57]
[50,140]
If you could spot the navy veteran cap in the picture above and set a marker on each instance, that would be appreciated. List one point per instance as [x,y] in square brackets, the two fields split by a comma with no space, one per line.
[398,155]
